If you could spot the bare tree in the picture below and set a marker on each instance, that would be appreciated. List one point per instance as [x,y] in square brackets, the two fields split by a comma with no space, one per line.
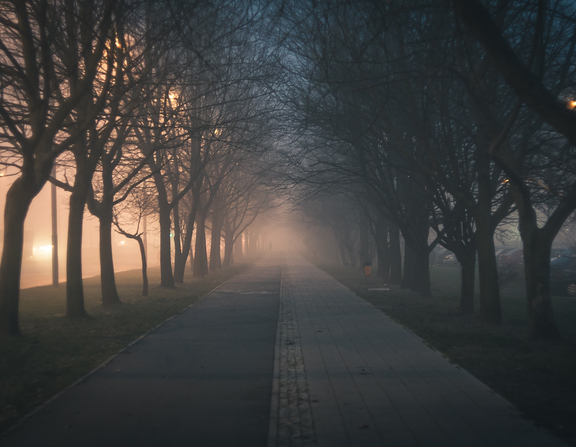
[537,166]
[133,213]
[52,53]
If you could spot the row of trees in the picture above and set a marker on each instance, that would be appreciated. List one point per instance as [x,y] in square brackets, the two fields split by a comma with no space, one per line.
[447,116]
[149,108]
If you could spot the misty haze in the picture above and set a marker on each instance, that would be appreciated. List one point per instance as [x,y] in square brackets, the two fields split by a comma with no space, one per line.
[278,223]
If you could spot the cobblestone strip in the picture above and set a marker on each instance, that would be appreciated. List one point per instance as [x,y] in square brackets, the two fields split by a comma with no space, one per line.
[295,423]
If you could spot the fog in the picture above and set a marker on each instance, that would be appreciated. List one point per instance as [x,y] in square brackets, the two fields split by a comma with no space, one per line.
[37,251]
[281,230]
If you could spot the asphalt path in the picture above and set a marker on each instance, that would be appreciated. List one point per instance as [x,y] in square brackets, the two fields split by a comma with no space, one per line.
[203,378]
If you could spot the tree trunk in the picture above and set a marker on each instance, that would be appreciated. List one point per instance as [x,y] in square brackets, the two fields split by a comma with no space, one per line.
[166,277]
[18,201]
[107,277]
[238,247]
[228,248]
[74,285]
[351,252]
[490,310]
[408,277]
[215,260]
[180,261]
[417,271]
[422,283]
[144,266]
[342,249]
[228,242]
[177,238]
[395,255]
[164,211]
[383,253]
[468,276]
[364,251]
[181,258]
[201,257]
[253,243]
[247,242]
[541,322]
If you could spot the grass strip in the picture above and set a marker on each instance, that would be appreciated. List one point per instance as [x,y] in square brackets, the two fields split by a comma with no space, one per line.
[539,378]
[55,351]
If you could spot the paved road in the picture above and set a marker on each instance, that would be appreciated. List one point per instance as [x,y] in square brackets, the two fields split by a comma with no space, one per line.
[313,365]
[204,378]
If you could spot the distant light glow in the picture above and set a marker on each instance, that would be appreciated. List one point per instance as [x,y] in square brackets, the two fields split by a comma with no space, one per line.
[43,250]
[571,104]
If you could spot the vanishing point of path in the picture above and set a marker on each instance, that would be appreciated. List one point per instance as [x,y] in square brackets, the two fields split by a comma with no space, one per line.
[282,355]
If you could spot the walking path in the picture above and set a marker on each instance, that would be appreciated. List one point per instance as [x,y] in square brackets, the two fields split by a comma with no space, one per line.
[254,364]
[350,376]
[203,378]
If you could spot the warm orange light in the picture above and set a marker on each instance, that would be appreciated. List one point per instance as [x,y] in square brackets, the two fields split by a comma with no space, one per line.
[118,45]
[571,104]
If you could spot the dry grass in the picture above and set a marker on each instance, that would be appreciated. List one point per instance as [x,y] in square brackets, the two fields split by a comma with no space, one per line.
[55,351]
[538,377]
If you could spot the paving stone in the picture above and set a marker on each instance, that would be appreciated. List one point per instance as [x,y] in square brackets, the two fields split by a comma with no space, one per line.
[371,382]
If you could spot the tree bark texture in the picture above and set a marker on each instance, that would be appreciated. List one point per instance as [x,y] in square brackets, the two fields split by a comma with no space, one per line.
[18,201]
[238,246]
[166,276]
[468,276]
[200,256]
[247,242]
[215,259]
[541,322]
[107,276]
[490,310]
[537,244]
[342,248]
[74,285]
[164,211]
[416,272]
[144,266]
[228,249]
[417,263]
[364,251]
[351,252]
[409,275]
[382,250]
[177,238]
[180,261]
[253,241]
